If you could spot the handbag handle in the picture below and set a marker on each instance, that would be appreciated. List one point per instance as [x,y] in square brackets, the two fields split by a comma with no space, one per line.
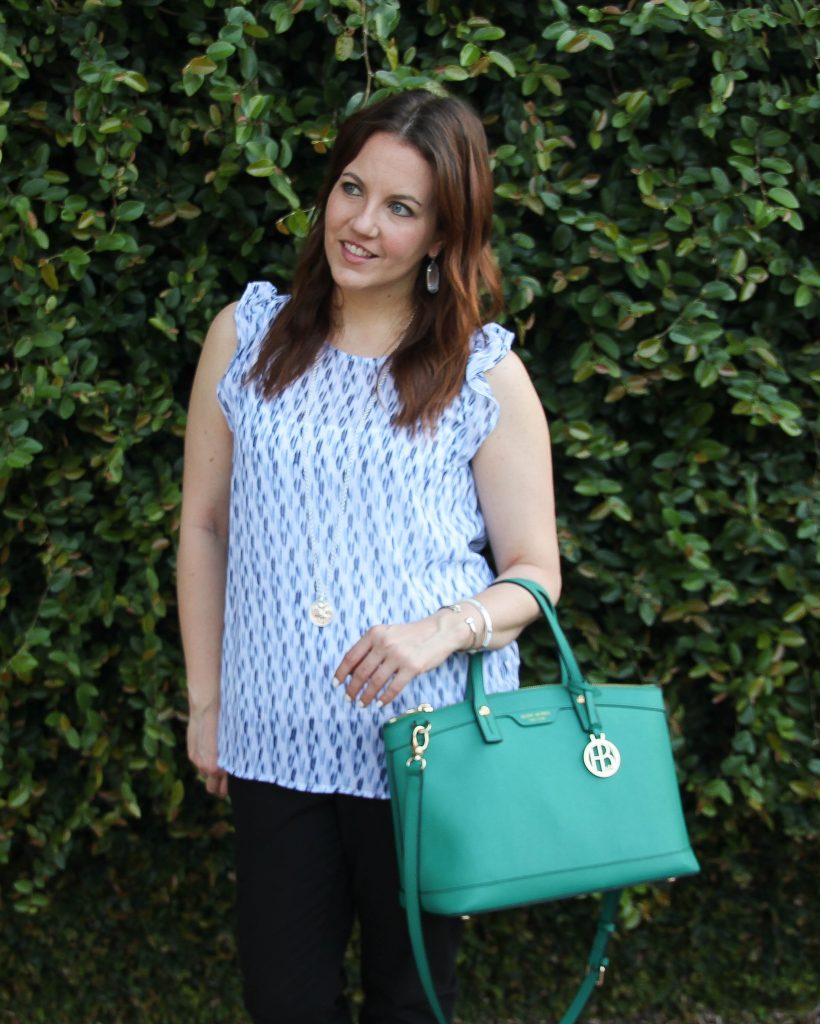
[583,695]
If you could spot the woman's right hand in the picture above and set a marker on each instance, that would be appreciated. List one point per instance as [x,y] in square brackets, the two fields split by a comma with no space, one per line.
[202,749]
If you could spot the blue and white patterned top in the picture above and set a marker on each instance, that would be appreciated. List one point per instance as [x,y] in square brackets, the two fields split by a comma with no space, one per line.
[410,542]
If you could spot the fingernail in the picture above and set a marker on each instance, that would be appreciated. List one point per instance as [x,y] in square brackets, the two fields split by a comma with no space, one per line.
[360,704]
[348,698]
[336,682]
[379,704]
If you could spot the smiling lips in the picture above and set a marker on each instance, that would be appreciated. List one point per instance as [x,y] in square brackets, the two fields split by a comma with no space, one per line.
[356,251]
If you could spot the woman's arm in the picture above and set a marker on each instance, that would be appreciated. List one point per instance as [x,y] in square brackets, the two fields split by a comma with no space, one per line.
[513,473]
[203,539]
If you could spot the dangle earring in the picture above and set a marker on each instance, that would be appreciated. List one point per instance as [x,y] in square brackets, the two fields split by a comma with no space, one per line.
[432,276]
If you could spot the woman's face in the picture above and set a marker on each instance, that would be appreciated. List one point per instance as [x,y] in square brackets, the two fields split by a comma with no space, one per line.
[380,221]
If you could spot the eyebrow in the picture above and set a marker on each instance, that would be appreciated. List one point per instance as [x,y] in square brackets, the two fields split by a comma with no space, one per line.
[407,198]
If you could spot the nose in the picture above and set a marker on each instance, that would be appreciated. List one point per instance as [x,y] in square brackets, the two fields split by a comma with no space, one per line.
[366,221]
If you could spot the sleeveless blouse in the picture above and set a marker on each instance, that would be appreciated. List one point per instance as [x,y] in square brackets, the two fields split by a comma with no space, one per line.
[410,541]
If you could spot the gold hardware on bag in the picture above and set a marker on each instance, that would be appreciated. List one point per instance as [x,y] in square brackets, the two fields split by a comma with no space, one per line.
[601,974]
[580,699]
[423,708]
[484,710]
[419,742]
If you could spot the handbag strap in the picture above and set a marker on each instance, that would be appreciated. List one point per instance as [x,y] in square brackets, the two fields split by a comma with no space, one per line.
[572,678]
[571,675]
[597,961]
[412,897]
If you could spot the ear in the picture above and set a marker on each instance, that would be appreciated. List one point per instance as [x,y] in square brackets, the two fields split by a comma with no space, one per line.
[435,249]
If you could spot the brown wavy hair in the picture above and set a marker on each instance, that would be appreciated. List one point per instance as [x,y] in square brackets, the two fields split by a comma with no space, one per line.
[429,362]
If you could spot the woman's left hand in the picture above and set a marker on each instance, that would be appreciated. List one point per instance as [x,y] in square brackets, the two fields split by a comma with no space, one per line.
[382,663]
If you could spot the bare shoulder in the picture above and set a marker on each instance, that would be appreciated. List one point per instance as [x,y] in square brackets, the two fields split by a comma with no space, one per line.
[508,371]
[512,386]
[220,341]
[217,352]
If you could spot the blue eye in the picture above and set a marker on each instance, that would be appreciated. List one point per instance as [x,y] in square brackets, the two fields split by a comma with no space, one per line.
[350,188]
[401,209]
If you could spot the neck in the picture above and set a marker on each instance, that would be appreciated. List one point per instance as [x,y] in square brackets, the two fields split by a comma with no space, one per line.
[365,326]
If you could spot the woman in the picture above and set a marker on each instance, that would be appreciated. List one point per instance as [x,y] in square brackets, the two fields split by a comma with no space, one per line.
[349,451]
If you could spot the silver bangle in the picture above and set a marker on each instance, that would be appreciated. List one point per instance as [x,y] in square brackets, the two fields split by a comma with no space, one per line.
[469,622]
[488,622]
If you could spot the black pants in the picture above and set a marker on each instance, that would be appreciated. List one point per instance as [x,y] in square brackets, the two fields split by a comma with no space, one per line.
[306,864]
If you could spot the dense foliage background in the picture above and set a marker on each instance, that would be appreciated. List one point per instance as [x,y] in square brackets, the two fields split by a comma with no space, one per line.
[658,179]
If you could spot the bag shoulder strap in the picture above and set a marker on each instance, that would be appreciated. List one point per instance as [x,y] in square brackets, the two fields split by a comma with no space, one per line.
[412,901]
[597,961]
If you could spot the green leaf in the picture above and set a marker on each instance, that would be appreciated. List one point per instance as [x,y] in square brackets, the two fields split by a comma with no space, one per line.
[220,50]
[116,241]
[199,66]
[23,664]
[256,106]
[784,197]
[601,39]
[130,210]
[573,41]
[344,47]
[134,80]
[502,61]
[774,137]
[719,290]
[721,180]
[489,33]
[262,168]
[111,125]
[470,53]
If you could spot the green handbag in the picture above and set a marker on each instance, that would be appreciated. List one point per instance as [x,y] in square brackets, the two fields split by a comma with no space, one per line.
[533,795]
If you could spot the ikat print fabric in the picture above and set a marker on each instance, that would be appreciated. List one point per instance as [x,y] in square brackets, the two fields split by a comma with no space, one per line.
[410,541]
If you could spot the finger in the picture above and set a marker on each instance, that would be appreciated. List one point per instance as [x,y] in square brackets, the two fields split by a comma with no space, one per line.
[217,783]
[212,781]
[371,654]
[353,657]
[376,683]
[376,642]
[366,670]
[395,686]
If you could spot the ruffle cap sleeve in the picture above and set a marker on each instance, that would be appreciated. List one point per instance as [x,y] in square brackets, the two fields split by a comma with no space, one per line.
[490,345]
[259,304]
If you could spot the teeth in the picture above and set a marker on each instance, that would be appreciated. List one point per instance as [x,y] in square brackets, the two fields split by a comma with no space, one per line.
[356,249]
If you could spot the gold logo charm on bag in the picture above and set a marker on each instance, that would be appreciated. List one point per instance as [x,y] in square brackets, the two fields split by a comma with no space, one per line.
[601,757]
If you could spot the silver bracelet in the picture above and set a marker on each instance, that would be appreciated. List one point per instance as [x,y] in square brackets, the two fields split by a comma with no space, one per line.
[469,621]
[488,622]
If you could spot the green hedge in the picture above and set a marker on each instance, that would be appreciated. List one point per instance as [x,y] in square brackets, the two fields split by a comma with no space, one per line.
[657,177]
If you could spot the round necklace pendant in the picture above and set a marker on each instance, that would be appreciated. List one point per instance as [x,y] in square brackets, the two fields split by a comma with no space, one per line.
[321,613]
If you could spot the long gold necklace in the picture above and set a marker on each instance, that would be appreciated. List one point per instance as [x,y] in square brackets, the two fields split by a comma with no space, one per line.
[321,611]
